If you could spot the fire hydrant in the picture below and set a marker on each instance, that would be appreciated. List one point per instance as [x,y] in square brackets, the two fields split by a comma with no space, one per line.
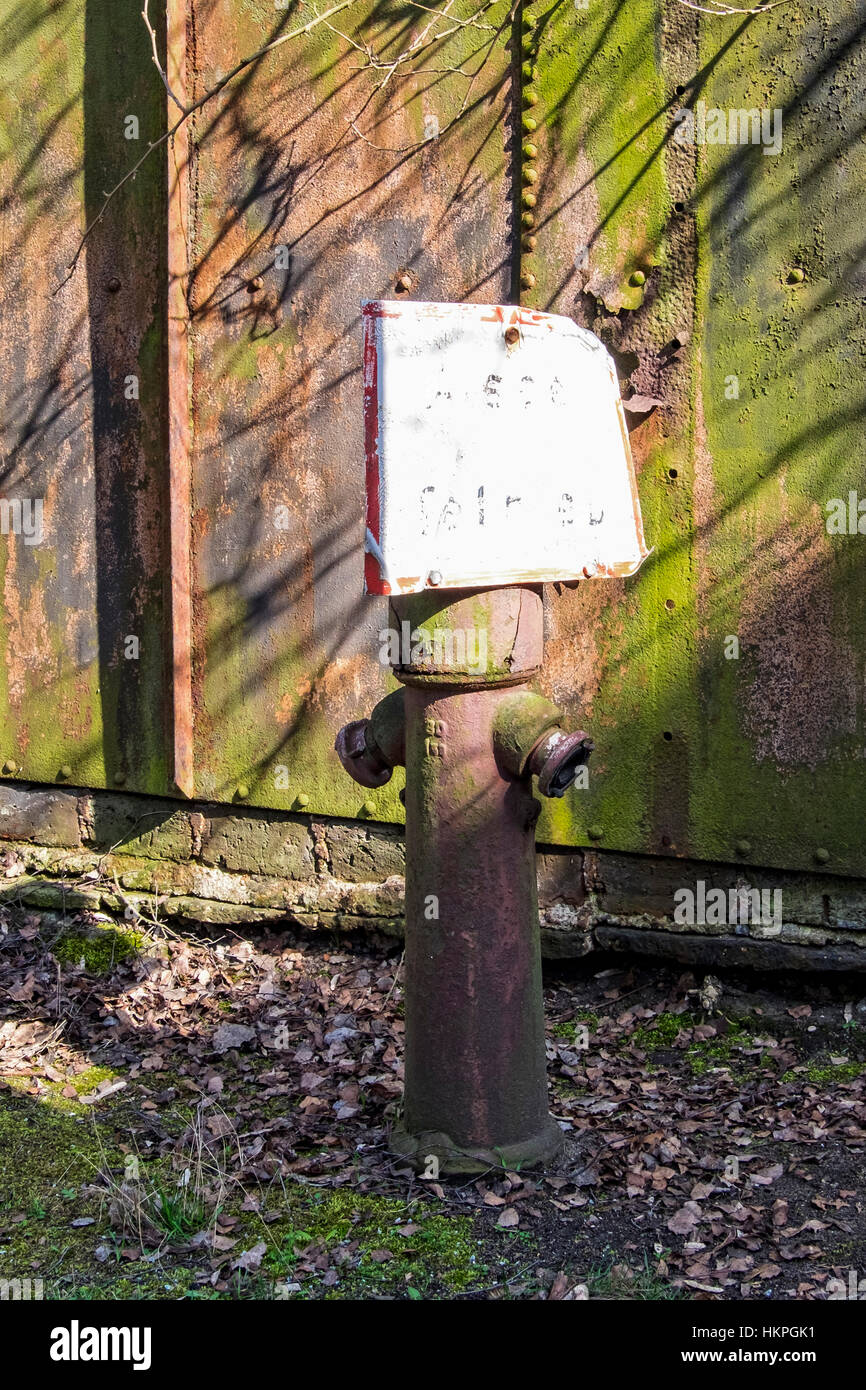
[471,735]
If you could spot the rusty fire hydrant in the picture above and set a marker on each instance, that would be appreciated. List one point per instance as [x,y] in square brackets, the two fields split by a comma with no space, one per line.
[471,735]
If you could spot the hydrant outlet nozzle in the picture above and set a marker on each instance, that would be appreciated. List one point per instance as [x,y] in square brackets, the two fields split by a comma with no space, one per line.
[557,759]
[530,741]
[370,749]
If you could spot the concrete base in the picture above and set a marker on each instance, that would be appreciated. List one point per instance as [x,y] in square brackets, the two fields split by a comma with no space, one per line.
[450,1158]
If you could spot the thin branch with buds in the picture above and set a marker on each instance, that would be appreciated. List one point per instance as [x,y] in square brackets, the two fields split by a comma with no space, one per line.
[720,9]
[429,36]
[188,111]
[163,74]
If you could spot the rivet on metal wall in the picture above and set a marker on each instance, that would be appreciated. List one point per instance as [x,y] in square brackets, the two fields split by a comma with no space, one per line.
[637,278]
[822,856]
[257,283]
[796,275]
[743,847]
[113,285]
[512,335]
[370,807]
[527,279]
[66,770]
[10,765]
[434,578]
[530,123]
[404,281]
[595,832]
[119,778]
[243,791]
[302,799]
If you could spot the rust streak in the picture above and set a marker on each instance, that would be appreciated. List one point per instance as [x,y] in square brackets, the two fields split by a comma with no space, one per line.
[178,411]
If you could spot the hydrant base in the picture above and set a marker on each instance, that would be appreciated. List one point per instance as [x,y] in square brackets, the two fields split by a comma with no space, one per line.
[454,1158]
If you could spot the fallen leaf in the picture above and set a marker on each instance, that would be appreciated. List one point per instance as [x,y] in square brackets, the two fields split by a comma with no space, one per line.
[765,1176]
[683,1221]
[251,1259]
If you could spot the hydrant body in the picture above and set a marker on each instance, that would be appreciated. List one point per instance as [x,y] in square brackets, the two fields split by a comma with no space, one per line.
[472,735]
[475,1064]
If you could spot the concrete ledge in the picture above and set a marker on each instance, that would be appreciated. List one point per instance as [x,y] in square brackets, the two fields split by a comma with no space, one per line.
[718,952]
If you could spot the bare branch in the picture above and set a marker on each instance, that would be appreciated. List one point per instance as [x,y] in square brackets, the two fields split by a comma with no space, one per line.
[163,74]
[472,78]
[188,111]
[720,9]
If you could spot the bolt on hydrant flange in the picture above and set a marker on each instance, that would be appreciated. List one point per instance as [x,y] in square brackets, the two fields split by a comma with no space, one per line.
[471,735]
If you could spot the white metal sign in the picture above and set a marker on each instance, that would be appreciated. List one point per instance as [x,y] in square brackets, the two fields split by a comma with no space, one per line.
[497,451]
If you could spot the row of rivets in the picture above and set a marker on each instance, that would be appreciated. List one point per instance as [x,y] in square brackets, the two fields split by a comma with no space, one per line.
[743,847]
[529,173]
[302,800]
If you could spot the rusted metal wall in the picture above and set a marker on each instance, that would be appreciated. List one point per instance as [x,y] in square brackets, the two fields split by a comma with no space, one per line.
[729,283]
[79,435]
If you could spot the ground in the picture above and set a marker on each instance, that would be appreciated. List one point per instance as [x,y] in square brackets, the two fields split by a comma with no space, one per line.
[184,1117]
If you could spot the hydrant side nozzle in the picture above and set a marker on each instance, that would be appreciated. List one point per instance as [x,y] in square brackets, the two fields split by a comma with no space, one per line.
[521,723]
[386,734]
[557,758]
[529,741]
[370,749]
[361,763]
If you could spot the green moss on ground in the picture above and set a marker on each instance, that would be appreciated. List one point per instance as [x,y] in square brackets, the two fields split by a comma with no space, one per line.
[823,1075]
[438,1250]
[584,1018]
[100,948]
